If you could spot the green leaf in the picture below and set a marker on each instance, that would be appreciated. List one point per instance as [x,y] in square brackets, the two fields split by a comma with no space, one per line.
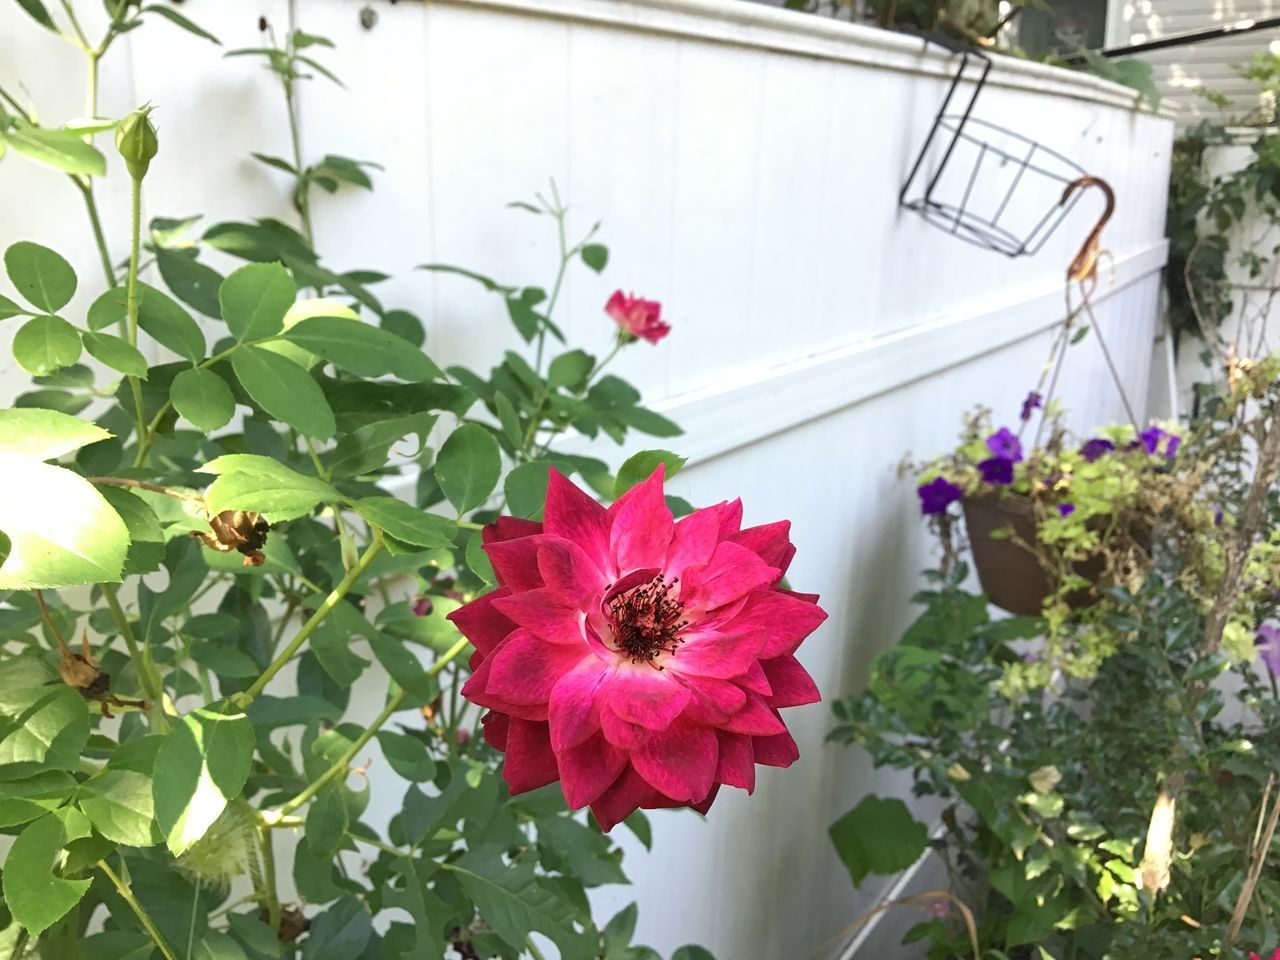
[36,10]
[878,836]
[640,466]
[116,353]
[571,370]
[255,299]
[326,824]
[60,150]
[46,344]
[646,421]
[478,560]
[405,522]
[468,466]
[171,326]
[204,763]
[45,434]
[583,853]
[514,903]
[249,482]
[595,256]
[42,276]
[526,487]
[191,281]
[203,398]
[404,667]
[364,350]
[407,756]
[118,804]
[36,898]
[691,951]
[39,723]
[140,520]
[369,447]
[340,933]
[63,532]
[285,391]
[10,309]
[174,17]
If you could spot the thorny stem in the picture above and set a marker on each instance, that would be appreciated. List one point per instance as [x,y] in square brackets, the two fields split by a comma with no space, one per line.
[341,765]
[99,238]
[147,923]
[332,600]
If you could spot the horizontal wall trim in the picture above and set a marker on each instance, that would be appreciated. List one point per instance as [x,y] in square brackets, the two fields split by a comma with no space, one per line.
[741,23]
[723,418]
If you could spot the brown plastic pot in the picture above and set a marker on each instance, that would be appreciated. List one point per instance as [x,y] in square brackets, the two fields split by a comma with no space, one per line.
[1009,573]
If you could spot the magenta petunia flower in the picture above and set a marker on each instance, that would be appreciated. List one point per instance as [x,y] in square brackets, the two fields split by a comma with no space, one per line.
[636,317]
[1005,444]
[936,495]
[640,661]
[997,470]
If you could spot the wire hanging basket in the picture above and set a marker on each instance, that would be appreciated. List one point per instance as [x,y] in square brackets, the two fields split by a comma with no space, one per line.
[983,183]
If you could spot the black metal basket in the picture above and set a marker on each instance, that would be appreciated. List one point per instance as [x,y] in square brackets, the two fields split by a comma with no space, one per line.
[984,183]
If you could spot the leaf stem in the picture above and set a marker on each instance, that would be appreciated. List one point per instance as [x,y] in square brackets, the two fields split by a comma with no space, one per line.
[142,485]
[147,924]
[131,311]
[141,657]
[332,600]
[341,765]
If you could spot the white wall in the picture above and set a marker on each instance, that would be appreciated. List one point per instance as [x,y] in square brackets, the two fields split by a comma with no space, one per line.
[745,162]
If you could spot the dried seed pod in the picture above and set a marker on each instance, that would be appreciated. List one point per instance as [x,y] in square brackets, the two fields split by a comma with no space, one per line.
[241,530]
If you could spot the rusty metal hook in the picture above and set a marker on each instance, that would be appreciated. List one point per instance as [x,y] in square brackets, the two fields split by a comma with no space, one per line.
[1084,266]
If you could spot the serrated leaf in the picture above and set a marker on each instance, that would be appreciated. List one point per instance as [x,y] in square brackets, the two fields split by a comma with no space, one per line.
[878,836]
[249,482]
[255,299]
[34,895]
[202,398]
[285,391]
[407,756]
[118,804]
[191,281]
[39,723]
[171,326]
[468,466]
[45,434]
[362,349]
[117,353]
[640,466]
[407,523]
[62,532]
[42,276]
[46,344]
[205,761]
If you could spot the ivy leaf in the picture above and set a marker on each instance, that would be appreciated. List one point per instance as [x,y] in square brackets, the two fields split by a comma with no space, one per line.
[36,898]
[640,466]
[405,522]
[285,391]
[118,804]
[468,466]
[362,349]
[45,434]
[249,482]
[63,533]
[204,763]
[255,299]
[116,353]
[46,344]
[203,398]
[42,276]
[878,836]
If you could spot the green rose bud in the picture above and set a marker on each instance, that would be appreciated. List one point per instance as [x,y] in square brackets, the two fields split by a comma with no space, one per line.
[136,141]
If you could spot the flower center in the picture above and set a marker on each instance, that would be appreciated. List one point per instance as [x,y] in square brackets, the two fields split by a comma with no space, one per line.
[647,620]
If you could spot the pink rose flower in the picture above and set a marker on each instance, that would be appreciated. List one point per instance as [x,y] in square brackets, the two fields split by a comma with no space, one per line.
[637,318]
[642,662]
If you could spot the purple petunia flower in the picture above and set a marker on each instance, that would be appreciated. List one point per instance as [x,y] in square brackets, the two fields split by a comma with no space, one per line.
[1003,443]
[1217,515]
[998,470]
[1171,448]
[1095,448]
[1066,509]
[1030,404]
[1151,438]
[937,495]
[1268,641]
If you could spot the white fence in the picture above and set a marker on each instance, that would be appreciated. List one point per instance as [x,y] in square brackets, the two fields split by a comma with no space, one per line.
[746,163]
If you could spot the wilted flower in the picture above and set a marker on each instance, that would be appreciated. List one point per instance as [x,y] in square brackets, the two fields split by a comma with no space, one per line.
[1032,403]
[1095,448]
[937,495]
[998,470]
[1066,509]
[1005,444]
[422,607]
[638,319]
[1268,641]
[640,661]
[240,530]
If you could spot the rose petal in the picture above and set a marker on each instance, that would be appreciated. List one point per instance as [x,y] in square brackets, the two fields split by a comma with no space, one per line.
[509,528]
[641,526]
[791,684]
[495,726]
[714,700]
[756,718]
[777,751]
[569,573]
[573,514]
[588,769]
[621,733]
[679,762]
[525,668]
[737,765]
[786,618]
[624,797]
[646,697]
[574,707]
[482,623]
[476,690]
[530,762]
[541,613]
[771,542]
[722,655]
[694,540]
[515,563]
[731,573]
